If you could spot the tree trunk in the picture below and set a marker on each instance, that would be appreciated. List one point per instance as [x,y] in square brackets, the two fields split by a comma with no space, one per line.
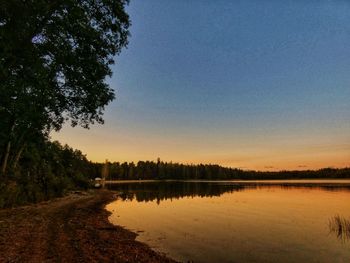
[7,151]
[18,155]
[6,157]
[17,150]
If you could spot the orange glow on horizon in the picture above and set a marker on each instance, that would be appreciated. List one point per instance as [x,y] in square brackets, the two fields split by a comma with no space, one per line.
[247,154]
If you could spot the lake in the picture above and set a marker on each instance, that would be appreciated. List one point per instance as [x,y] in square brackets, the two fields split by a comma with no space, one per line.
[237,221]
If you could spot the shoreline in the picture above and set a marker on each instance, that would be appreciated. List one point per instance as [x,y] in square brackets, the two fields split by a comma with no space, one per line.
[74,228]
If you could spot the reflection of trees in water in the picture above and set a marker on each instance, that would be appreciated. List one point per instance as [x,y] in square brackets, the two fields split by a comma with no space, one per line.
[340,226]
[172,190]
[162,190]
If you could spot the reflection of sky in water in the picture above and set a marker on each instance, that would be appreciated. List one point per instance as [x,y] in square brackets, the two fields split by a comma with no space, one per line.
[162,190]
[221,222]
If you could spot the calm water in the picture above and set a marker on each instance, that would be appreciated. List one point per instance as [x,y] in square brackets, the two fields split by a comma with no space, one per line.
[285,221]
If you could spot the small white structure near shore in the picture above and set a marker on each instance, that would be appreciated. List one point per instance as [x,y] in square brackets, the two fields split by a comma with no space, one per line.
[98,182]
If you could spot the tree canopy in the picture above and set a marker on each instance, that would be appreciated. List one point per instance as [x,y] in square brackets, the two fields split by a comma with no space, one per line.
[55,57]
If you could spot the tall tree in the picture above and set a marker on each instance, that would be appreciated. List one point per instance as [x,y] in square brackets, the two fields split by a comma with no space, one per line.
[54,58]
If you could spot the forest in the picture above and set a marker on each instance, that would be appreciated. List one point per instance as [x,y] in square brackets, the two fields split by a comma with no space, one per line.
[45,170]
[55,57]
[168,170]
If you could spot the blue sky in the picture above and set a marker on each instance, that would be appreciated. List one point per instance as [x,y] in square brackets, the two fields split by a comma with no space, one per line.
[252,84]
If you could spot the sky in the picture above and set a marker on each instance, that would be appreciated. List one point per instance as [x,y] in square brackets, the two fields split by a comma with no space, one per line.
[261,85]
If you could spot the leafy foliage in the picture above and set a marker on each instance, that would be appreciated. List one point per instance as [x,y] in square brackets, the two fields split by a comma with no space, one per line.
[46,170]
[54,59]
[55,56]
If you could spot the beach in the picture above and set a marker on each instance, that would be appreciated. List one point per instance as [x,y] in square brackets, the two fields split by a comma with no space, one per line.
[74,228]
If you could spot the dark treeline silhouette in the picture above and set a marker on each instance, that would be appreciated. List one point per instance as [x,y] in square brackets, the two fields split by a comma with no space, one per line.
[168,170]
[46,169]
[55,57]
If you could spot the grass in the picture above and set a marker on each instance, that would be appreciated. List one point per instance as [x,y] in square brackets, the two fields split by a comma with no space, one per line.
[340,226]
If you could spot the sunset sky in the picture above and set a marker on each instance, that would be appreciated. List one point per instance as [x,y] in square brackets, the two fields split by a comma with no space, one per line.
[251,84]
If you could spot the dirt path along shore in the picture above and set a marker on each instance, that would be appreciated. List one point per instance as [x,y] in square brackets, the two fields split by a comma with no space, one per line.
[69,229]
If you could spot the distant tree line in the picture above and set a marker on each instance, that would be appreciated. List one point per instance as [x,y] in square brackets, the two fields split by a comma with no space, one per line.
[167,170]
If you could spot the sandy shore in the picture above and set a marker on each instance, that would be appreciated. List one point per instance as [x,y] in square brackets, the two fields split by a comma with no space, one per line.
[74,228]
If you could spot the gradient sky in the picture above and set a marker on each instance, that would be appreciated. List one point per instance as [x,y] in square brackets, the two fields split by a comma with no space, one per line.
[251,84]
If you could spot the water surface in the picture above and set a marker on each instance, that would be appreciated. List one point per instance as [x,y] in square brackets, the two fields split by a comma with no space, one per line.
[285,221]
